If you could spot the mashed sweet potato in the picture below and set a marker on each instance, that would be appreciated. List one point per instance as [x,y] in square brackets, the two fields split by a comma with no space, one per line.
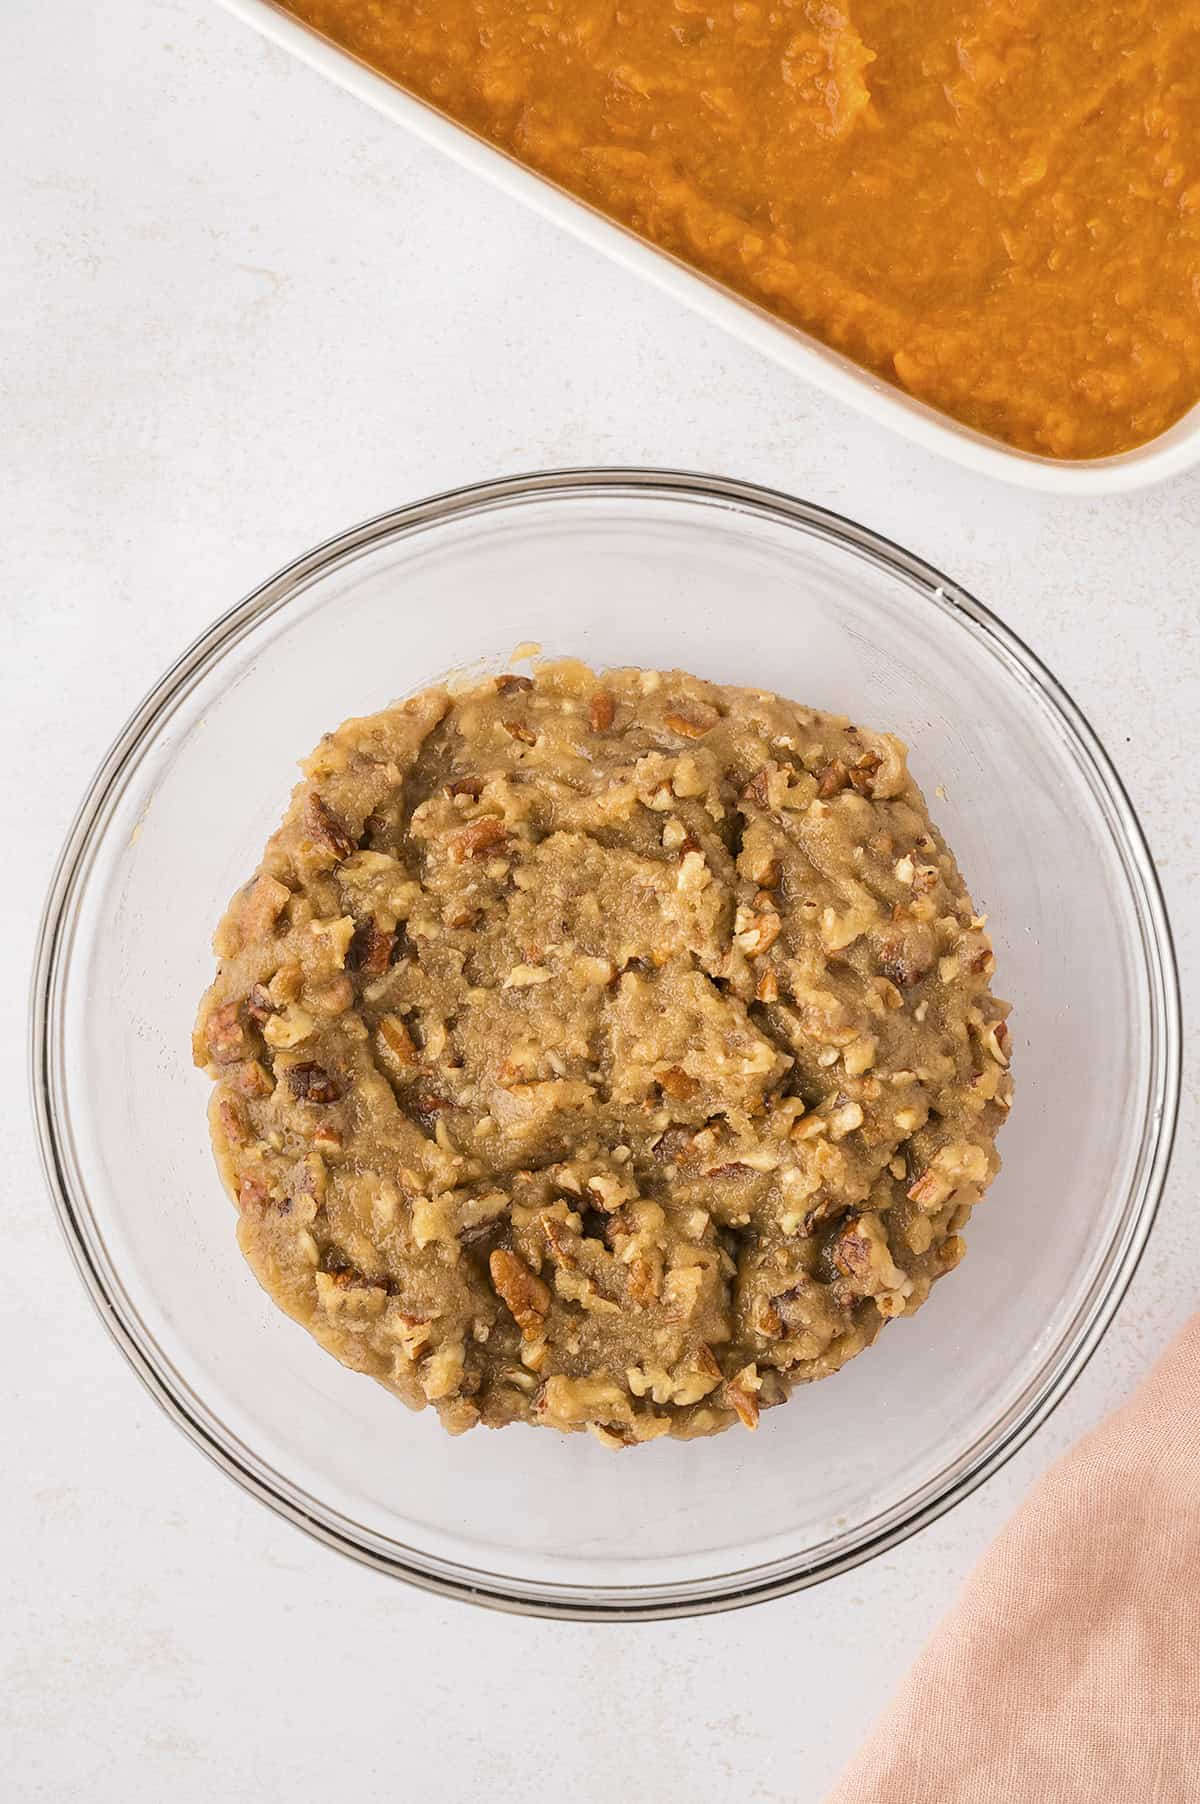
[994,204]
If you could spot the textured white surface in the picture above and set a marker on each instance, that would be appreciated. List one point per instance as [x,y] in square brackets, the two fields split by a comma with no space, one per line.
[239,311]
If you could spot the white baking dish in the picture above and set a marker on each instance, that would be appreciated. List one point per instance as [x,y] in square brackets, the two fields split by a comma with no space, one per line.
[1172,451]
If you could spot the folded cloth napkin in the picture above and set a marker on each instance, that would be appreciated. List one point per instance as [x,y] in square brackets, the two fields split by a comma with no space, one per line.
[1068,1670]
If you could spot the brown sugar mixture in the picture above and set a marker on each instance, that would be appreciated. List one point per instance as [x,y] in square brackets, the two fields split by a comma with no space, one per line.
[603,1052]
[993,203]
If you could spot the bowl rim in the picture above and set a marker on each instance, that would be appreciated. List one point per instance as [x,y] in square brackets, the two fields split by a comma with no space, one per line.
[583,1602]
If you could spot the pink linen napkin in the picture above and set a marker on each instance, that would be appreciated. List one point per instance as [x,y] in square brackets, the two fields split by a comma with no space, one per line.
[1068,1670]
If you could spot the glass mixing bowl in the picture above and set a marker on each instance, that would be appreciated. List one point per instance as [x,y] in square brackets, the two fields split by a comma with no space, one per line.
[618,567]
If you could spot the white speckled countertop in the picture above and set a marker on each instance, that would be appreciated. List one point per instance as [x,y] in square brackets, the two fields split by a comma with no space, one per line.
[238,312]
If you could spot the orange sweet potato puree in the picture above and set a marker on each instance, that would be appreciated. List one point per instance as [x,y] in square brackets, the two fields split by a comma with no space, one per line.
[994,204]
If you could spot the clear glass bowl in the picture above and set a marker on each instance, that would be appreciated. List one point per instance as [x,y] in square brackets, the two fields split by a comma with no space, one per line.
[744,586]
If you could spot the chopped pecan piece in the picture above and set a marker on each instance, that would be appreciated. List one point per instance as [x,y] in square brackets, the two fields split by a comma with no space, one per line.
[287,983]
[260,905]
[464,786]
[844,1120]
[757,789]
[252,1192]
[822,1211]
[252,1079]
[310,1082]
[505,685]
[520,729]
[887,992]
[741,1395]
[690,725]
[370,949]
[860,1251]
[601,711]
[233,1121]
[348,1277]
[464,918]
[225,1034]
[756,933]
[260,1003]
[606,1192]
[398,1040]
[766,1320]
[863,771]
[677,1084]
[734,1169]
[832,778]
[336,996]
[616,1435]
[694,874]
[478,839]
[907,954]
[956,1164]
[643,1283]
[672,1146]
[929,1190]
[562,1247]
[414,1334]
[325,828]
[951,1253]
[527,1298]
